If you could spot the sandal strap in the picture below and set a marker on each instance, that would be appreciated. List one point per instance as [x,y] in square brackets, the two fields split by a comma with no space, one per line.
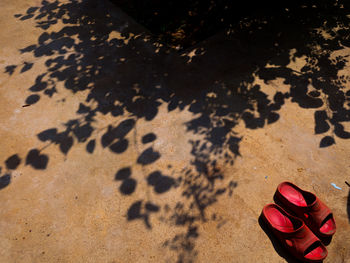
[318,211]
[303,241]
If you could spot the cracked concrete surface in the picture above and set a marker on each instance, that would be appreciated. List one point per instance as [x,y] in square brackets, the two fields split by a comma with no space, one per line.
[117,149]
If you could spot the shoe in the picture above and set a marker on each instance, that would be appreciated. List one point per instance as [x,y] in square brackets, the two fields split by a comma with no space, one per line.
[308,207]
[294,234]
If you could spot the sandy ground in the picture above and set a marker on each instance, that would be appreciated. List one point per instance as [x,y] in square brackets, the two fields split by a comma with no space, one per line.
[116,149]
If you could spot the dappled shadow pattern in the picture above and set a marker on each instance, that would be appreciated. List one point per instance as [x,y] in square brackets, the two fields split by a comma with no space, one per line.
[317,85]
[138,210]
[128,72]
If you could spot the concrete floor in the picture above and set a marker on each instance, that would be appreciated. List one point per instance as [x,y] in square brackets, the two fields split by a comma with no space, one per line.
[117,149]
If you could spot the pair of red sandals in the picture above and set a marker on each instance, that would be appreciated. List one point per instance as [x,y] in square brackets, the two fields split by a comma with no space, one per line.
[299,234]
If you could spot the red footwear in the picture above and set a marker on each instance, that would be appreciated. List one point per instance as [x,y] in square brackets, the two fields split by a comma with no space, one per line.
[294,234]
[316,215]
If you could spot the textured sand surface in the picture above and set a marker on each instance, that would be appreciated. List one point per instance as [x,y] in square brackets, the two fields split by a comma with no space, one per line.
[116,149]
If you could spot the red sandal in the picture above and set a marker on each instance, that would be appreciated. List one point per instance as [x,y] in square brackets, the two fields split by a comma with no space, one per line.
[294,234]
[316,215]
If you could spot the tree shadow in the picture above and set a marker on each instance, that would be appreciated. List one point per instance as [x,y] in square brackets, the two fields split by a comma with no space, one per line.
[12,162]
[127,70]
[5,180]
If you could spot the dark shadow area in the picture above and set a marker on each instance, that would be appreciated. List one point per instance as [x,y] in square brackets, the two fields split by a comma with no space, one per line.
[126,71]
[161,183]
[139,210]
[150,137]
[90,147]
[5,180]
[267,39]
[128,184]
[185,23]
[12,162]
[37,160]
[32,99]
[148,156]
[123,173]
[326,240]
